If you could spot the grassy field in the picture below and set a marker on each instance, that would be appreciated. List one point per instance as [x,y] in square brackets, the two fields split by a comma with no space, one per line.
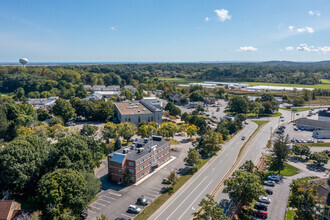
[299,109]
[290,214]
[326,81]
[174,142]
[181,80]
[287,171]
[325,144]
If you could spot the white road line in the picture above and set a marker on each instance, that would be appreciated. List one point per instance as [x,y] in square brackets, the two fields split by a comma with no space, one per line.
[152,195]
[128,216]
[98,203]
[105,200]
[89,210]
[109,197]
[186,197]
[113,193]
[195,200]
[98,209]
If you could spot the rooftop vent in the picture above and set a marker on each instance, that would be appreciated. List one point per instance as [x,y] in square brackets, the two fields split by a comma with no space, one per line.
[125,151]
[140,150]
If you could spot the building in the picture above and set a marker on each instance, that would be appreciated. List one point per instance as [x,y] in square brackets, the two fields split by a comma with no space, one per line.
[175,97]
[323,192]
[107,94]
[131,88]
[45,103]
[324,115]
[154,101]
[136,112]
[321,134]
[275,88]
[311,125]
[9,209]
[112,88]
[94,96]
[138,160]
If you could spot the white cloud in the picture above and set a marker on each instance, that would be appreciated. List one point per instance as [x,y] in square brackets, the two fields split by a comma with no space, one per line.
[312,13]
[223,14]
[247,49]
[207,19]
[289,48]
[113,28]
[291,28]
[305,47]
[306,29]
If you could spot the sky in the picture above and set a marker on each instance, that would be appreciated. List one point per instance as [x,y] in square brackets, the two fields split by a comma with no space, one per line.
[164,30]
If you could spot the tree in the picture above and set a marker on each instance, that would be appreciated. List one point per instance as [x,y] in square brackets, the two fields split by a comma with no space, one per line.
[173,178]
[196,96]
[247,192]
[128,130]
[42,114]
[117,145]
[57,131]
[145,130]
[20,93]
[22,162]
[168,129]
[89,130]
[64,109]
[301,150]
[66,188]
[320,157]
[304,198]
[298,101]
[191,130]
[211,142]
[193,157]
[102,217]
[248,166]
[110,130]
[175,111]
[55,120]
[238,104]
[280,152]
[210,209]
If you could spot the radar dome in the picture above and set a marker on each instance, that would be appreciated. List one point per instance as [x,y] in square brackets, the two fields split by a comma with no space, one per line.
[23,61]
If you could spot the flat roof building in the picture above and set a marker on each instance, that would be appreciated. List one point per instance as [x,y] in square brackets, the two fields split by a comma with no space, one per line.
[311,125]
[324,115]
[137,111]
[44,103]
[138,160]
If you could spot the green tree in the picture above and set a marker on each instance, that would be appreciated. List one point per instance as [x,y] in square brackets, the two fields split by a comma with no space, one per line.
[89,130]
[175,111]
[110,130]
[298,101]
[117,145]
[247,192]
[56,120]
[64,109]
[301,150]
[20,93]
[193,157]
[168,129]
[42,114]
[145,130]
[102,217]
[128,130]
[320,157]
[304,198]
[247,166]
[238,104]
[211,142]
[210,209]
[172,178]
[280,152]
[191,130]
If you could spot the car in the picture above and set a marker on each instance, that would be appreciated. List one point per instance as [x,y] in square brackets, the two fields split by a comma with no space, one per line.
[243,138]
[309,115]
[142,201]
[297,114]
[70,123]
[282,120]
[264,199]
[269,191]
[120,218]
[269,183]
[261,206]
[246,122]
[260,213]
[310,141]
[296,129]
[281,116]
[273,178]
[166,181]
[320,141]
[134,209]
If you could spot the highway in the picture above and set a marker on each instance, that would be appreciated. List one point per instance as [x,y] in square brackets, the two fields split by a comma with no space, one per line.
[186,201]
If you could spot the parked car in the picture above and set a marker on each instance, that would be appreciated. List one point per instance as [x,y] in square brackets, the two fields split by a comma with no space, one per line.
[310,141]
[273,178]
[269,183]
[320,141]
[261,206]
[245,122]
[260,213]
[134,209]
[70,123]
[142,201]
[281,116]
[243,138]
[296,129]
[264,199]
[166,181]
[269,191]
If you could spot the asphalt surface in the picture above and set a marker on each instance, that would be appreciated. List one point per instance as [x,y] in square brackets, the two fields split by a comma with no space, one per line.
[186,201]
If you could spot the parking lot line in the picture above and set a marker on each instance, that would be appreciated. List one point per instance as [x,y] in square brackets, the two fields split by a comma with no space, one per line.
[104,200]
[109,197]
[113,193]
[98,203]
[152,195]
[98,209]
[128,216]
[89,210]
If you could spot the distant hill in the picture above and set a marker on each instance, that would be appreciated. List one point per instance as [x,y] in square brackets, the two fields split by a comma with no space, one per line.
[292,63]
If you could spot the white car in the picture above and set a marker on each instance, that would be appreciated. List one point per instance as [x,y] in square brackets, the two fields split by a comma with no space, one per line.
[274,178]
[134,209]
[269,183]
[264,199]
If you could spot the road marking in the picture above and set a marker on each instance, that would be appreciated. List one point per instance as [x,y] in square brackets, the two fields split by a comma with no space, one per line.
[113,193]
[98,203]
[128,216]
[195,199]
[89,210]
[187,197]
[108,197]
[98,209]
[104,200]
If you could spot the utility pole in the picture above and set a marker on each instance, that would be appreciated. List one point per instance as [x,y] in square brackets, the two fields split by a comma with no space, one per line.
[271,131]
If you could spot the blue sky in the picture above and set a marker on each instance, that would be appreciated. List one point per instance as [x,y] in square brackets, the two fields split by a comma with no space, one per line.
[164,30]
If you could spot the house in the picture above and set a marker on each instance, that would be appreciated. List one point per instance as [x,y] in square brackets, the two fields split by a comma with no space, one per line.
[88,87]
[44,103]
[323,192]
[98,88]
[138,160]
[112,88]
[9,209]
[324,115]
[107,94]
[175,97]
[94,96]
[137,111]
[321,134]
[131,88]
[311,125]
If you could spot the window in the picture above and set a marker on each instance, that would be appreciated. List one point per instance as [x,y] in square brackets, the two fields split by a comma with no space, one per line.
[131,170]
[131,164]
[119,171]
[129,119]
[139,119]
[132,178]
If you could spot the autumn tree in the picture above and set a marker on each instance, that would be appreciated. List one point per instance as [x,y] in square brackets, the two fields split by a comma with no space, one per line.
[210,209]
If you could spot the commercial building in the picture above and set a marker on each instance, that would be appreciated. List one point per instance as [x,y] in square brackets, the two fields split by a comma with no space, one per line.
[138,160]
[321,134]
[107,94]
[102,88]
[311,125]
[275,88]
[131,88]
[324,115]
[45,103]
[137,111]
[154,101]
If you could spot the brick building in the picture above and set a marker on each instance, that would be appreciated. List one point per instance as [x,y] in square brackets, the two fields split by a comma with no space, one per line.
[138,159]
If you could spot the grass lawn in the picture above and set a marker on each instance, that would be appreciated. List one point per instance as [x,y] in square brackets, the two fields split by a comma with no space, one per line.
[150,209]
[290,214]
[318,86]
[298,109]
[259,123]
[174,142]
[181,80]
[325,144]
[287,171]
[253,115]
[325,81]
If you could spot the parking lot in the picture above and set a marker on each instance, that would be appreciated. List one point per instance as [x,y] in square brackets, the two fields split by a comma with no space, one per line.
[114,199]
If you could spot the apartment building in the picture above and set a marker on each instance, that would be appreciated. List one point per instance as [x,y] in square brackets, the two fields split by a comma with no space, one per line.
[138,160]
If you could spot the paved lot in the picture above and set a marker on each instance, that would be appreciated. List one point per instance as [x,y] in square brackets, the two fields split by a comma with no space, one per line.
[114,199]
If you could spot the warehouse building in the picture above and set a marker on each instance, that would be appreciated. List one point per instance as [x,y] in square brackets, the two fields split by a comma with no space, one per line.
[321,134]
[311,125]
[324,115]
[138,160]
